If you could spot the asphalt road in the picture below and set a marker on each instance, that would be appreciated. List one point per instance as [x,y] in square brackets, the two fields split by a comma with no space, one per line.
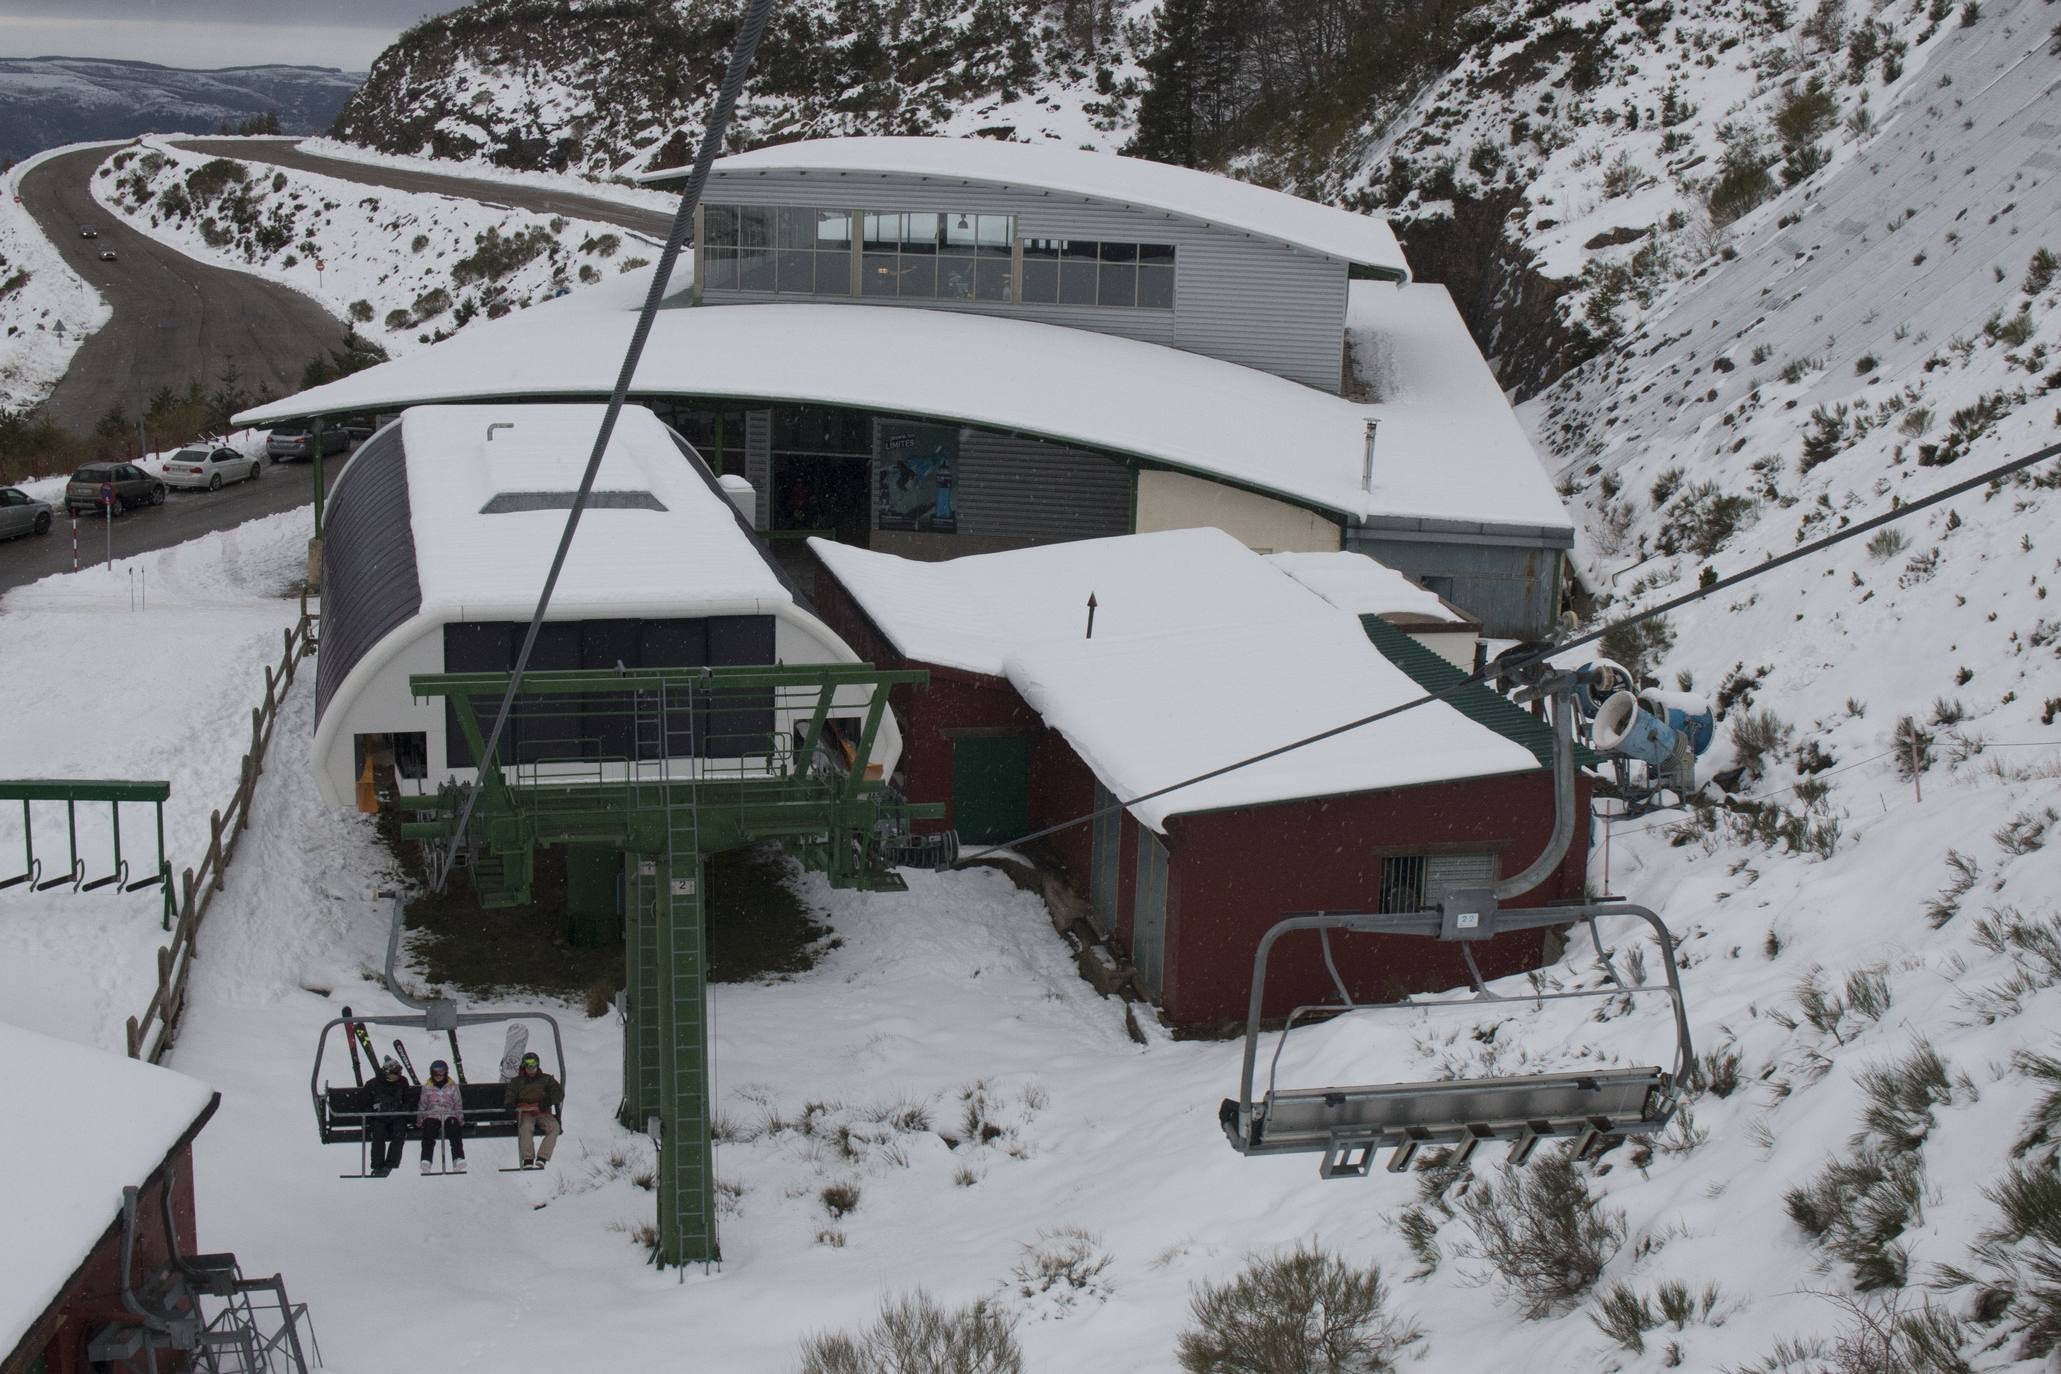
[287,153]
[175,321]
[184,515]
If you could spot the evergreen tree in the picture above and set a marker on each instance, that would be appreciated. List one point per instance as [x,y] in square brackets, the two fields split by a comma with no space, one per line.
[1167,111]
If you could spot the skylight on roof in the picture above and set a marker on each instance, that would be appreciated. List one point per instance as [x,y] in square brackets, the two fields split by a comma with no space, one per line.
[504,502]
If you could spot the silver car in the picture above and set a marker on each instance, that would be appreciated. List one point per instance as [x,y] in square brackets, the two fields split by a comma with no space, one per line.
[22,514]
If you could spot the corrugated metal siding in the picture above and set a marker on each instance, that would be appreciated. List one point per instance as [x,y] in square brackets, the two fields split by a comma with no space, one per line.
[1243,299]
[1025,489]
[758,464]
[1513,590]
[369,583]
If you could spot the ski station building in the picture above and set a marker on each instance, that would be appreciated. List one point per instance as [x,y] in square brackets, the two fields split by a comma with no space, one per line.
[1199,652]
[439,533]
[103,1123]
[938,347]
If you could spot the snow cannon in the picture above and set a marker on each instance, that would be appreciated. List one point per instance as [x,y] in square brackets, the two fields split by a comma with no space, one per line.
[1685,713]
[1595,683]
[1623,727]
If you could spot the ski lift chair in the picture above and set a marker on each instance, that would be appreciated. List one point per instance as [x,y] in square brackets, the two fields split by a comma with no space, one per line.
[1349,1125]
[341,1119]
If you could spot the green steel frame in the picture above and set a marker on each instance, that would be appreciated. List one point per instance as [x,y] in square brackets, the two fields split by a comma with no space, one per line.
[668,801]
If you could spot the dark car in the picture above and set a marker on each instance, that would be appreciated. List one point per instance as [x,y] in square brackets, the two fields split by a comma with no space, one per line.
[89,233]
[107,255]
[297,441]
[133,487]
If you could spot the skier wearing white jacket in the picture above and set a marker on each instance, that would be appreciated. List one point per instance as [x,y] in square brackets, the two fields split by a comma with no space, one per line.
[440,1114]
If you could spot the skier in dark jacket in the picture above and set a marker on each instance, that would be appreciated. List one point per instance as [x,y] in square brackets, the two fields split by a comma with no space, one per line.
[536,1097]
[440,1113]
[385,1102]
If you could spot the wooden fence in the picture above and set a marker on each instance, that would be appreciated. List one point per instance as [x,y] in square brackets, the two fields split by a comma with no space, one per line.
[150,1035]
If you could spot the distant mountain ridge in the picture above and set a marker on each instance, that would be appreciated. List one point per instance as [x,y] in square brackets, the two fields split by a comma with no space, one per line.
[48,101]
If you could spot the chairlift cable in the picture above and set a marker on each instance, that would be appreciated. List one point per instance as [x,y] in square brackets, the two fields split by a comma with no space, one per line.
[1518,662]
[757,13]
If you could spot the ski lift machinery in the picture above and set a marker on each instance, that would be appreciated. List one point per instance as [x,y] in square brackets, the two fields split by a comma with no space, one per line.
[1350,1125]
[338,1115]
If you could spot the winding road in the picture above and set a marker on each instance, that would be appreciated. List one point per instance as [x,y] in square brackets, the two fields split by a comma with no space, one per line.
[176,320]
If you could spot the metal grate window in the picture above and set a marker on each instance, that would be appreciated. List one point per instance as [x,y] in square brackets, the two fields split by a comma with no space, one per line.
[1418,882]
[1402,883]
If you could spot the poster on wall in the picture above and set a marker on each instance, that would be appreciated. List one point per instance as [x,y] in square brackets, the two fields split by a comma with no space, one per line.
[919,467]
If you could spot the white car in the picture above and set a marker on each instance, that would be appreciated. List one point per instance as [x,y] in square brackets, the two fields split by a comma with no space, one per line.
[210,468]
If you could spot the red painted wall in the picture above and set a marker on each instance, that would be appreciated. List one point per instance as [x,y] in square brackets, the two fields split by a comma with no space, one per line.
[1235,873]
[95,1295]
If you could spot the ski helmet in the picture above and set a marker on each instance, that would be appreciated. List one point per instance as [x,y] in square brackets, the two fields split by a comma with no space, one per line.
[530,1061]
[439,1066]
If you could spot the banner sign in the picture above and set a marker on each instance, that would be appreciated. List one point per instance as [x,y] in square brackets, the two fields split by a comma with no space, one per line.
[918,469]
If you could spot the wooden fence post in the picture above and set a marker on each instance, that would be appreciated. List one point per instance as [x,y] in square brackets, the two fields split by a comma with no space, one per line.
[257,739]
[164,983]
[189,923]
[214,854]
[135,1039]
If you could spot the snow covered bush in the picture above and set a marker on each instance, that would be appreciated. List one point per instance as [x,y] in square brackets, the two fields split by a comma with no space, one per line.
[1304,1312]
[915,1334]
[1543,1231]
[1062,1268]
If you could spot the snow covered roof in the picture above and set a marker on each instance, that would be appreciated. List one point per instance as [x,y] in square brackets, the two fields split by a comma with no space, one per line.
[103,1122]
[1449,449]
[1204,653]
[1203,196]
[1359,584]
[487,508]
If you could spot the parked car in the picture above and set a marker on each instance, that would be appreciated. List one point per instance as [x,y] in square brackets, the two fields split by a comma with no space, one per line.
[107,255]
[89,233]
[210,468]
[133,487]
[21,513]
[295,441]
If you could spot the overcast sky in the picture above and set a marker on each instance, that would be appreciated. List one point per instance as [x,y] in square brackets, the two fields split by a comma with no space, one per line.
[211,33]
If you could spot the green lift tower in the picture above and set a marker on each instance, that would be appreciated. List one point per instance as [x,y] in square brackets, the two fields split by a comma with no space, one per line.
[667,766]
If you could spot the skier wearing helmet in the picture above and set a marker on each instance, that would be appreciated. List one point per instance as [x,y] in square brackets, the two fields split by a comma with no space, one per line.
[536,1097]
[440,1115]
[386,1104]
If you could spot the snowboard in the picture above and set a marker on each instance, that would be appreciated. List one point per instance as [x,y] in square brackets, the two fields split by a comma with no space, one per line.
[512,1050]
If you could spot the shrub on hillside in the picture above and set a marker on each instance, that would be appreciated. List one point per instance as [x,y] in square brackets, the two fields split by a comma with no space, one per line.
[213,177]
[915,1334]
[1543,1231]
[1305,1312]
[1805,114]
[1639,647]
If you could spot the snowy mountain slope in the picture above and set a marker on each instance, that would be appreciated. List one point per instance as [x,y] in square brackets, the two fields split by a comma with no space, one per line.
[46,309]
[602,87]
[405,268]
[46,101]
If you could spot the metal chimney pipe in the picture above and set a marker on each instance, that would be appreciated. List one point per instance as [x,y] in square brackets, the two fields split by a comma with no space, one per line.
[498,424]
[1367,468]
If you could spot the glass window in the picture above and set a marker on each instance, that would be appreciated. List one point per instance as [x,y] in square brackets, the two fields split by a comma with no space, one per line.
[1076,282]
[1088,272]
[797,228]
[834,273]
[756,226]
[719,227]
[755,269]
[720,267]
[994,233]
[833,229]
[878,271]
[1155,287]
[962,233]
[883,233]
[991,279]
[919,233]
[1119,284]
[917,275]
[1040,271]
[955,273]
[797,271]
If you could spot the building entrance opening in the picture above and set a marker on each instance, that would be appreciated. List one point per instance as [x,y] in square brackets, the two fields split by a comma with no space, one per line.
[822,495]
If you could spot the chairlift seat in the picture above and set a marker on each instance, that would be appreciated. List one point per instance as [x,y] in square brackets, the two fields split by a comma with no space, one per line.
[487,1116]
[1347,1124]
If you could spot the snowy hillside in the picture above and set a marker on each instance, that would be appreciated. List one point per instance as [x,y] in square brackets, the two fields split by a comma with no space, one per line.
[46,309]
[599,88]
[404,268]
[48,101]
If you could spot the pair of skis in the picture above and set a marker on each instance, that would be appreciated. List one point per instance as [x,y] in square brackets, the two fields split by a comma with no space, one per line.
[357,1036]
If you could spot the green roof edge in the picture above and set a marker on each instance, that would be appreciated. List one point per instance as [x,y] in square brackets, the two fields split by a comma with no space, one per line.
[1477,702]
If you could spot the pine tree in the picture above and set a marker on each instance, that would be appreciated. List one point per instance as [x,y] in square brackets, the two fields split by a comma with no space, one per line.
[1167,111]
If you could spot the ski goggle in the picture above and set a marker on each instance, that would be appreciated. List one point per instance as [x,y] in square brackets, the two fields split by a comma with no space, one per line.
[530,1061]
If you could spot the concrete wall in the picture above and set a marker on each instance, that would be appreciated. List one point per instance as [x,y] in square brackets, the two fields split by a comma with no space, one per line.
[1177,501]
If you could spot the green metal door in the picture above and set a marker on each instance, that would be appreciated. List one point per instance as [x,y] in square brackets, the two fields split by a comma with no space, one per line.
[990,787]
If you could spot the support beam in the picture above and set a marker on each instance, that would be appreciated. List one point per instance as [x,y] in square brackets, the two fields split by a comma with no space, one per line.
[686,1166]
[641,1022]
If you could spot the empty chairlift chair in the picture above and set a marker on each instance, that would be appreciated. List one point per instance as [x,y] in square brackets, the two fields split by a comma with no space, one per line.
[1348,1125]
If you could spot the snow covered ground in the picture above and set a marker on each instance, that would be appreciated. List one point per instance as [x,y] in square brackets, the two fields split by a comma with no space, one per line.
[46,309]
[403,267]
